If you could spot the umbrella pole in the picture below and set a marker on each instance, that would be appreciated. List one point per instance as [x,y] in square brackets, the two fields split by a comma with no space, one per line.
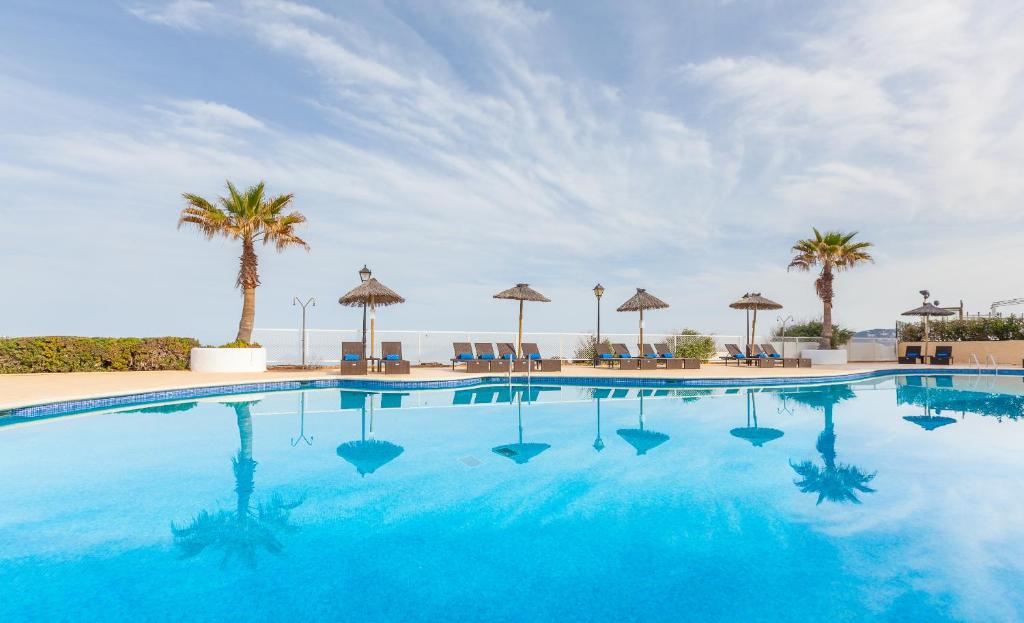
[753,335]
[519,346]
[925,338]
[642,335]
[746,327]
[373,327]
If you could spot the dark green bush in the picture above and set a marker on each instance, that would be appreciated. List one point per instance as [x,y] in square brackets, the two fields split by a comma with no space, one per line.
[93,354]
[967,330]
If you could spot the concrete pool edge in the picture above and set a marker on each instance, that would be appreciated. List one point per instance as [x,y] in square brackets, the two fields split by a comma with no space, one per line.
[142,398]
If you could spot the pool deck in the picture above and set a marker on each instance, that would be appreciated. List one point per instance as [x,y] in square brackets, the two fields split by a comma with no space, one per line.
[18,390]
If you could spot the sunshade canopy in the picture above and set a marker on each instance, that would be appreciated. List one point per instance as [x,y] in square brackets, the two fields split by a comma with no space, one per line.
[369,291]
[642,300]
[928,309]
[754,300]
[522,292]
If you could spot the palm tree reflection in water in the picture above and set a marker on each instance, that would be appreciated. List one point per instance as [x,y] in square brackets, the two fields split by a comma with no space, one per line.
[835,482]
[238,534]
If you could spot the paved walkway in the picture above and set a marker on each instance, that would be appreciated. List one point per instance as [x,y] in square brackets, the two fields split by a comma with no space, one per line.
[29,389]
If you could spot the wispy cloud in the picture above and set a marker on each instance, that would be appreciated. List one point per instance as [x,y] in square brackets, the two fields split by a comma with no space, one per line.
[474,138]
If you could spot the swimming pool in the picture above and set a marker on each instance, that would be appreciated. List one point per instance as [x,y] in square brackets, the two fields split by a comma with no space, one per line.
[891,498]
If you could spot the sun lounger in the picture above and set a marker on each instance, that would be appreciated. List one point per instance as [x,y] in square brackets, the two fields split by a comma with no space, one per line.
[943,356]
[507,352]
[391,358]
[352,359]
[532,353]
[485,352]
[911,355]
[735,354]
[464,354]
[628,362]
[760,358]
[787,362]
[605,354]
[675,363]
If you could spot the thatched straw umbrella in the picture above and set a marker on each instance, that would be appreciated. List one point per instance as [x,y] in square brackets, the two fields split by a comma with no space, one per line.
[639,302]
[522,292]
[926,311]
[371,293]
[753,301]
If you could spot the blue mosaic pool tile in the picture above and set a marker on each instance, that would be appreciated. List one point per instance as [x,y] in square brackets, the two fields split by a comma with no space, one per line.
[92,404]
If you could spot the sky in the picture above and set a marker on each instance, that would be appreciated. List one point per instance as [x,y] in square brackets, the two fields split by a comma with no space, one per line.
[459,147]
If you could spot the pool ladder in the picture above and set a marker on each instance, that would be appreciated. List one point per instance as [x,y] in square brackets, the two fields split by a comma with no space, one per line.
[990,360]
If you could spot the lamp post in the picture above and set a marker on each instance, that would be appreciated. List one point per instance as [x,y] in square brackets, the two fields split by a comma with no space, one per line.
[783,322]
[309,302]
[598,293]
[364,275]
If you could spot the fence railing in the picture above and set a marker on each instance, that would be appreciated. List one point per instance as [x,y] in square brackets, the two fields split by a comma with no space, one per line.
[323,346]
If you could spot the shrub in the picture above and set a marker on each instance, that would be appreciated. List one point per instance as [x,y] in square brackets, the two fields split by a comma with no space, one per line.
[586,348]
[812,328]
[966,330]
[93,354]
[240,344]
[691,344]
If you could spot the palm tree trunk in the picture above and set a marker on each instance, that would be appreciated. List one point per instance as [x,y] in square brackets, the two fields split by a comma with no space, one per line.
[248,279]
[825,291]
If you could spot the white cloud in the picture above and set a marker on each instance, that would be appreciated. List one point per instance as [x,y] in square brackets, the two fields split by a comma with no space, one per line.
[186,14]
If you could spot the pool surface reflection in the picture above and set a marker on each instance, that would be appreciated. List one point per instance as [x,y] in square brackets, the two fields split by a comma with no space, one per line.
[893,499]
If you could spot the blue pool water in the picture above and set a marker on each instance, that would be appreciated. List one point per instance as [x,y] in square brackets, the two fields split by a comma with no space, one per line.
[890,499]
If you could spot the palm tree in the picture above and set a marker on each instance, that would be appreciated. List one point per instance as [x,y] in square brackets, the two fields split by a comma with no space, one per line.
[250,217]
[242,532]
[835,482]
[833,251]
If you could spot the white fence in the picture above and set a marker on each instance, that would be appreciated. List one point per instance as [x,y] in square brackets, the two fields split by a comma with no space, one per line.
[323,346]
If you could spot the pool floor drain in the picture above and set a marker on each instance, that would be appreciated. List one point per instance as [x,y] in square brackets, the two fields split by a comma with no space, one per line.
[471,461]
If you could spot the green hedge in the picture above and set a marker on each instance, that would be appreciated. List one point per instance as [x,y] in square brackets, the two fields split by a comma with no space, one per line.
[94,354]
[968,330]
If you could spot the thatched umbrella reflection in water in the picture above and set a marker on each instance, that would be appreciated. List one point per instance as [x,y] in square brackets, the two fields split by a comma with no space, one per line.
[372,294]
[927,311]
[367,455]
[520,452]
[753,301]
[522,292]
[639,302]
[239,534]
[928,421]
[642,439]
[755,434]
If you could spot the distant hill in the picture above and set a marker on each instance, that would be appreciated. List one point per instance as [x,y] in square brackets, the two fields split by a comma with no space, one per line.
[876,333]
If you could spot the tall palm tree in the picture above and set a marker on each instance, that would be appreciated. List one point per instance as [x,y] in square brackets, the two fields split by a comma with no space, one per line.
[238,534]
[835,482]
[832,251]
[251,217]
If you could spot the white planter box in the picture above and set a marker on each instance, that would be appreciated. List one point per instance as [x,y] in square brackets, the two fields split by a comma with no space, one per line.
[825,357]
[228,360]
